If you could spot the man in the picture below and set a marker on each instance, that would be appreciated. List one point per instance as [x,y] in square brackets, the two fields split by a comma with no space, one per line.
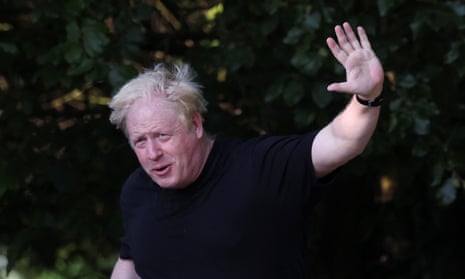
[213,208]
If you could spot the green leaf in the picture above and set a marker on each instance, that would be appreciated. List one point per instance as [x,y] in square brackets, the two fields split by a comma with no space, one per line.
[133,35]
[85,65]
[312,21]
[395,105]
[142,11]
[272,6]
[384,6]
[307,63]
[268,26]
[74,53]
[293,92]
[422,126]
[119,74]
[239,57]
[321,97]
[269,7]
[421,149]
[407,81]
[74,7]
[438,172]
[72,32]
[94,37]
[275,90]
[293,36]
[17,247]
[416,27]
[454,53]
[303,118]
[9,48]
[457,7]
[54,56]
[447,194]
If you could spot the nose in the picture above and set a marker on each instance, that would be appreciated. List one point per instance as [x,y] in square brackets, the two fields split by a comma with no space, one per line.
[154,151]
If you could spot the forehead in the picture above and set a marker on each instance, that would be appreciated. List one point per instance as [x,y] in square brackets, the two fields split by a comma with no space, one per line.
[156,112]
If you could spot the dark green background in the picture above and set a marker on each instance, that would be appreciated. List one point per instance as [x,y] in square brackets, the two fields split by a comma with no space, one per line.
[395,212]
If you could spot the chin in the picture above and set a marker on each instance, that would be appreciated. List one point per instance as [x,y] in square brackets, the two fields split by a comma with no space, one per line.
[167,185]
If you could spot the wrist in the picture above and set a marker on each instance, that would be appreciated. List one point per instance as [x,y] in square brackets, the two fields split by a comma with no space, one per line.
[370,102]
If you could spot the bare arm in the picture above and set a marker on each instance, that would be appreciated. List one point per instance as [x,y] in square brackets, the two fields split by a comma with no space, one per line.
[124,269]
[348,134]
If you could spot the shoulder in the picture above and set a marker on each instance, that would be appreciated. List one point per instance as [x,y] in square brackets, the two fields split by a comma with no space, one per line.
[267,148]
[282,143]
[137,183]
[138,178]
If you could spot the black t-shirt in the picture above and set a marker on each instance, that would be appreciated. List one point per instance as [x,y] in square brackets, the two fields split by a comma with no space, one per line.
[244,217]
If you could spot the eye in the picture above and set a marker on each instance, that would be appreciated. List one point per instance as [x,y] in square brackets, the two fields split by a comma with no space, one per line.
[163,136]
[139,142]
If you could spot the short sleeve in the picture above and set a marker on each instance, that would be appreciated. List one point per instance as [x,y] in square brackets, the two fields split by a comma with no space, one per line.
[285,168]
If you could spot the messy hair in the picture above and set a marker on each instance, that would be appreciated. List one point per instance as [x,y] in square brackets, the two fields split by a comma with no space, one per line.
[175,84]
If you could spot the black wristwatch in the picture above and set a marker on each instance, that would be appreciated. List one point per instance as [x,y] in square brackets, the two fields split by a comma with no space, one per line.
[371,103]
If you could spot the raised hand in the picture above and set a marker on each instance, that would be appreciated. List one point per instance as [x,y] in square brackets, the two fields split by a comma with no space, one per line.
[364,72]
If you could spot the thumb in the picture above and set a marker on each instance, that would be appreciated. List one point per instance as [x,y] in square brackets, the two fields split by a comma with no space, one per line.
[340,87]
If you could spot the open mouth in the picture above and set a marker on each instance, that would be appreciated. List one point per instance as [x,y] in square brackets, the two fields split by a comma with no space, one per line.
[162,170]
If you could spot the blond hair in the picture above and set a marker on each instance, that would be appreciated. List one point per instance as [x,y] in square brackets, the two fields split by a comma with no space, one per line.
[175,83]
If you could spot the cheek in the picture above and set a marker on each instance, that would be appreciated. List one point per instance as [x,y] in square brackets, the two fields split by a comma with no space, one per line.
[182,152]
[141,155]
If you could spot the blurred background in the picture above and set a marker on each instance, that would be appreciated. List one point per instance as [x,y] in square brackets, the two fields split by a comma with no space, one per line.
[395,212]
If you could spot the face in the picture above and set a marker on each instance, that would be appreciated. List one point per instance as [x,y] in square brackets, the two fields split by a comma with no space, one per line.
[169,151]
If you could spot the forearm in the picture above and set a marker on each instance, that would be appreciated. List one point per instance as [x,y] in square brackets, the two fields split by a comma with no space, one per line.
[124,269]
[354,126]
[345,137]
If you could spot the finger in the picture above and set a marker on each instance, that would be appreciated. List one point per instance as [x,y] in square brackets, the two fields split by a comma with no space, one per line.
[363,38]
[338,53]
[352,39]
[341,36]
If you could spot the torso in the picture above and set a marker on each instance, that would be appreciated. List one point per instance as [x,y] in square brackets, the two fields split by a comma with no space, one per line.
[237,220]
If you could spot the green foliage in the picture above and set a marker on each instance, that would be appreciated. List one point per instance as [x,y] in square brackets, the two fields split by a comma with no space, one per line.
[396,214]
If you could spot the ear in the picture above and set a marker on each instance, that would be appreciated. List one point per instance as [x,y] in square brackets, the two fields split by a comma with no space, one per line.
[197,124]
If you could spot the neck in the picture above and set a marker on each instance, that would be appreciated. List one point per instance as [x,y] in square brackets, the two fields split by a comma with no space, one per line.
[206,147]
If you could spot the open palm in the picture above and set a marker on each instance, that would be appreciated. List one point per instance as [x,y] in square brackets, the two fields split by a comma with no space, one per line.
[364,72]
